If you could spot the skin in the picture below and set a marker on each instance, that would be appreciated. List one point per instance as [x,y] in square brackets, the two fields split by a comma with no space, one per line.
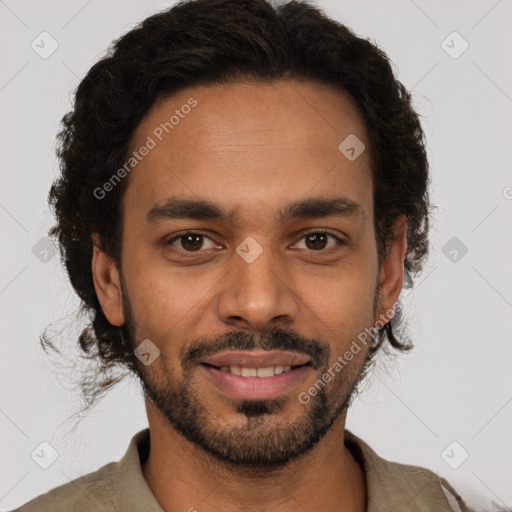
[252,147]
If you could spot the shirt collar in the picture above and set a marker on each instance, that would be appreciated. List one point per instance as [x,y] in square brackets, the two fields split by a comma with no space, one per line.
[395,486]
[390,485]
[127,484]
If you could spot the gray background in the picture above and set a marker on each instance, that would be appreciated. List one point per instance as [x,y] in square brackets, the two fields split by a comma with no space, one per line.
[455,386]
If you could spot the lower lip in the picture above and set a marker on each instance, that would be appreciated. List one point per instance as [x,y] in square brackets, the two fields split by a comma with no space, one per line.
[255,388]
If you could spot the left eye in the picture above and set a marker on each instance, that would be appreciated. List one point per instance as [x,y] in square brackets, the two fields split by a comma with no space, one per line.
[317,240]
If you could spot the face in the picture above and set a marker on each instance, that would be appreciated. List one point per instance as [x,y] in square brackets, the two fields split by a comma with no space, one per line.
[249,261]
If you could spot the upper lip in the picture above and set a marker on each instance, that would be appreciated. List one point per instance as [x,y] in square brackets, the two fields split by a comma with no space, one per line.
[257,359]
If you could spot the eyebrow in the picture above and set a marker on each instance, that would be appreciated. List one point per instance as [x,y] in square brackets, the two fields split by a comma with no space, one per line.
[202,209]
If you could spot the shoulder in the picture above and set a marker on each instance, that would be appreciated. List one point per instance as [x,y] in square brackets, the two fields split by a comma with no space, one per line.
[113,487]
[403,486]
[89,492]
[429,487]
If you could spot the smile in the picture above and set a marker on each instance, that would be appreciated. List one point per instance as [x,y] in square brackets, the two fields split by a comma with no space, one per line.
[268,371]
[255,377]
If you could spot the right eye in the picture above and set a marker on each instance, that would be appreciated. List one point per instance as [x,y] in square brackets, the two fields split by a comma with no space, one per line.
[190,241]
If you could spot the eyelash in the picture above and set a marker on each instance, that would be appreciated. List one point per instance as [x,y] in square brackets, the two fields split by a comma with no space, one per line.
[339,241]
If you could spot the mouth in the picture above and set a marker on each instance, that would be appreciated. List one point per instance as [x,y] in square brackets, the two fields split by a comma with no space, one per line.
[264,372]
[255,375]
[256,359]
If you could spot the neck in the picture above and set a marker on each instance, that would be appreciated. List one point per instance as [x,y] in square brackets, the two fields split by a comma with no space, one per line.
[183,476]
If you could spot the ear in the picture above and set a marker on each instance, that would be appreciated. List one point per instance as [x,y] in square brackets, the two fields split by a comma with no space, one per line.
[392,269]
[107,283]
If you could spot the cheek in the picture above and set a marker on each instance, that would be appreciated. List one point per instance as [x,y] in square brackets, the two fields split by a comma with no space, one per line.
[342,305]
[345,294]
[166,301]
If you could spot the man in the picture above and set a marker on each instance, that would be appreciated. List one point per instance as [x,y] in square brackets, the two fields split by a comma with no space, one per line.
[243,191]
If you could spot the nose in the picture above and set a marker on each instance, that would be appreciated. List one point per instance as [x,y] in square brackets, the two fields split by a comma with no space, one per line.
[258,294]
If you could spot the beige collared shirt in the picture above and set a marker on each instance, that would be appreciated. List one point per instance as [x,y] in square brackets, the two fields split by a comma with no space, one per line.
[121,487]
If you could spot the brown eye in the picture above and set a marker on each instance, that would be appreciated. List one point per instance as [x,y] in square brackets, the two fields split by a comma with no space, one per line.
[191,242]
[317,241]
[188,242]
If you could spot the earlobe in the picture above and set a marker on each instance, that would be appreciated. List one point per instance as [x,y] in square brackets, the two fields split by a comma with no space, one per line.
[107,283]
[392,269]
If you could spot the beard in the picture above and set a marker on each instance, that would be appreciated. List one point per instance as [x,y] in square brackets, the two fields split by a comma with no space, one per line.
[259,441]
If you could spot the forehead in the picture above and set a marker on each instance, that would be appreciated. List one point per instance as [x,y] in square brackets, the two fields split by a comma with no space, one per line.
[250,142]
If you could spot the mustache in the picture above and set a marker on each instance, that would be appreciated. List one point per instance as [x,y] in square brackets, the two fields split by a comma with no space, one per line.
[276,338]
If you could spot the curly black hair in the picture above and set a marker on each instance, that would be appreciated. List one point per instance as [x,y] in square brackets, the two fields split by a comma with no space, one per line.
[216,42]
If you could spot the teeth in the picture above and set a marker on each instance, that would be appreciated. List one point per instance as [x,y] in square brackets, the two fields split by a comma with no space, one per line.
[269,371]
[265,372]
[235,370]
[249,372]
